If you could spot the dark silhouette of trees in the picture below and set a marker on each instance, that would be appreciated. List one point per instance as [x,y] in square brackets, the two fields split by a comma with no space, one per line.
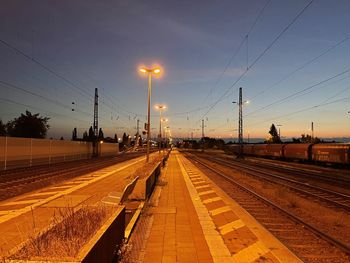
[306,138]
[28,125]
[85,136]
[115,138]
[208,143]
[125,138]
[275,138]
[91,134]
[100,134]
[74,134]
[2,128]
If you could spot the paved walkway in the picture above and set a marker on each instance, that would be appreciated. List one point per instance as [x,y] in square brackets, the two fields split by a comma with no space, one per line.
[176,234]
[195,221]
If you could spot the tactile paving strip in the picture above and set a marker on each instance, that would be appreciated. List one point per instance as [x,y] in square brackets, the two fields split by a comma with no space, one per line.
[240,241]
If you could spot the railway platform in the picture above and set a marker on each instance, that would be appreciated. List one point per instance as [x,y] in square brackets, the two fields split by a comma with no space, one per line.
[26,215]
[195,221]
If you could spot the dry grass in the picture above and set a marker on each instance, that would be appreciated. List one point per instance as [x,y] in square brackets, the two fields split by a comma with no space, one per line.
[69,232]
[145,170]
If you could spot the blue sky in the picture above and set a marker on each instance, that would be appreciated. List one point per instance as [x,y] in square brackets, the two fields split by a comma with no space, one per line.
[101,43]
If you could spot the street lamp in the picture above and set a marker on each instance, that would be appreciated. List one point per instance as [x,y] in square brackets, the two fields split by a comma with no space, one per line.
[150,72]
[160,107]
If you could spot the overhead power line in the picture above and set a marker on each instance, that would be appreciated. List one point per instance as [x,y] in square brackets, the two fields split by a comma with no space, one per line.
[65,106]
[39,109]
[303,66]
[302,110]
[291,96]
[244,40]
[48,69]
[260,56]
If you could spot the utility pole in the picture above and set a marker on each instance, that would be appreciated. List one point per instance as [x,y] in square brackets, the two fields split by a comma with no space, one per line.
[137,133]
[240,125]
[202,135]
[312,131]
[95,126]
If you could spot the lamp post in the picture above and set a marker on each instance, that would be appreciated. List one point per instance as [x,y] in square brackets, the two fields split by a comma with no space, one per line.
[150,72]
[160,107]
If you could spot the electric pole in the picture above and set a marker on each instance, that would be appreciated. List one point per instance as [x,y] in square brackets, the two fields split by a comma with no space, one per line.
[137,133]
[202,135]
[95,126]
[312,131]
[240,126]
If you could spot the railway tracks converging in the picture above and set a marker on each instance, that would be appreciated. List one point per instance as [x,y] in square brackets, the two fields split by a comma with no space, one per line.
[310,243]
[326,196]
[19,181]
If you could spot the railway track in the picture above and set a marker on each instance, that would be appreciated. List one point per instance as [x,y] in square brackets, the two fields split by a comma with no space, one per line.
[334,177]
[19,181]
[326,196]
[308,242]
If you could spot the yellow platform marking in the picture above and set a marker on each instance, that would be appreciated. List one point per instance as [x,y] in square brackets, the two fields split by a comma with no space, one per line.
[206,192]
[23,202]
[59,187]
[198,182]
[216,244]
[4,212]
[43,193]
[231,226]
[26,209]
[210,200]
[251,253]
[202,186]
[220,210]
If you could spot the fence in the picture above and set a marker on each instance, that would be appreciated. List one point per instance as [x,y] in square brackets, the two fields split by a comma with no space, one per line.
[27,152]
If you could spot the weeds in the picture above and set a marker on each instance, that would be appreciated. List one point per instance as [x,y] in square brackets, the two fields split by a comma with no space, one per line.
[70,231]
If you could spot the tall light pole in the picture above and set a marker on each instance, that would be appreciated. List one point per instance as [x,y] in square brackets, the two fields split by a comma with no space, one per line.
[150,72]
[160,107]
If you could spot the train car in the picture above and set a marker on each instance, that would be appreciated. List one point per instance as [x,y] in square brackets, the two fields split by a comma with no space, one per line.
[336,153]
[232,148]
[248,149]
[275,150]
[260,150]
[297,151]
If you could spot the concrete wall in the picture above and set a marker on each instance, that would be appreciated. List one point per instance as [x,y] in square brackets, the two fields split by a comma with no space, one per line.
[109,149]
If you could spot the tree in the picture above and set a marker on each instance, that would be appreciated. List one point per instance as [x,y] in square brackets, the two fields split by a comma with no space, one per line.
[275,138]
[28,126]
[74,134]
[100,134]
[85,136]
[91,134]
[115,138]
[2,128]
[306,138]
[125,138]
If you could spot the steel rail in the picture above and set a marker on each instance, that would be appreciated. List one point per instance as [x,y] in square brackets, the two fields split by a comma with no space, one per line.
[264,175]
[344,247]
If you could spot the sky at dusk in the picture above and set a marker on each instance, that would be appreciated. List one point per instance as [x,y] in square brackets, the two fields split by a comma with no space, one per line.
[291,58]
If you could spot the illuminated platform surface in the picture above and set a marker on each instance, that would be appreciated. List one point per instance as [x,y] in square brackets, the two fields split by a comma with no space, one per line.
[195,221]
[27,214]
